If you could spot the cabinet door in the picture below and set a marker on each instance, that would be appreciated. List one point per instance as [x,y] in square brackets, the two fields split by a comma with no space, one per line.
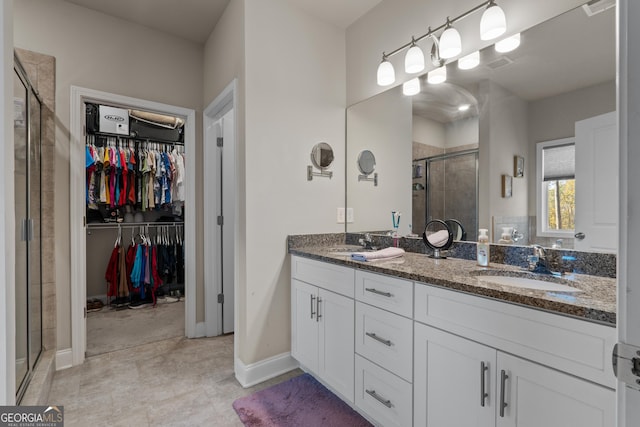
[454,380]
[304,324]
[336,342]
[539,396]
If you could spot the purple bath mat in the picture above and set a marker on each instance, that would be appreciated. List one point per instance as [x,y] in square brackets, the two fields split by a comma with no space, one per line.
[300,401]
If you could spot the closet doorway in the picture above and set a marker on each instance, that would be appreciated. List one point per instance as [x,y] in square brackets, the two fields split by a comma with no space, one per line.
[145,226]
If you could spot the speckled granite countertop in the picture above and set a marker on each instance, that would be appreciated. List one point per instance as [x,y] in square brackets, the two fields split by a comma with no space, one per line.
[596,302]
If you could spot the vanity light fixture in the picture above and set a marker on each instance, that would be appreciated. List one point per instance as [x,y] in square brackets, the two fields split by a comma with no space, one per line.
[412,87]
[414,60]
[450,42]
[493,22]
[470,61]
[386,73]
[492,25]
[437,76]
[508,44]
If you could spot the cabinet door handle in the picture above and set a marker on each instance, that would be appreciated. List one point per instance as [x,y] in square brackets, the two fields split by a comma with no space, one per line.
[318,315]
[503,381]
[380,399]
[377,292]
[483,393]
[313,298]
[377,338]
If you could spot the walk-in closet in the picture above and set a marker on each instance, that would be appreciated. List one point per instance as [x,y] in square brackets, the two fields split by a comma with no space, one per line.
[135,205]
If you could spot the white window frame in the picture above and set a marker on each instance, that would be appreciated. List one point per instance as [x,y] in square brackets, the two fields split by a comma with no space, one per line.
[541,202]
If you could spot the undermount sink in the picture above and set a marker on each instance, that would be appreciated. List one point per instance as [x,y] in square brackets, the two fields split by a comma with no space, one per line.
[526,281]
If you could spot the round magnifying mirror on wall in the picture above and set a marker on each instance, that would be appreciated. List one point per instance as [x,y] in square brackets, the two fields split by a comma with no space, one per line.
[366,162]
[322,155]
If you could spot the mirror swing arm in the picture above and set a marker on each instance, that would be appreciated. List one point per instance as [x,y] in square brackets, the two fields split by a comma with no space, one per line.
[311,173]
[367,178]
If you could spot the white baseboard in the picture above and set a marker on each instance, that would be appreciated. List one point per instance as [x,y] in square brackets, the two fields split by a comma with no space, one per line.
[255,373]
[64,359]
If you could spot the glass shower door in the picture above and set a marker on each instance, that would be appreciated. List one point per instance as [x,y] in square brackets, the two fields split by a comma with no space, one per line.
[21,251]
[27,208]
[35,247]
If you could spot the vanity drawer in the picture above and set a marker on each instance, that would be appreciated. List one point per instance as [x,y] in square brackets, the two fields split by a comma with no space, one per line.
[386,339]
[384,397]
[579,347]
[329,276]
[385,292]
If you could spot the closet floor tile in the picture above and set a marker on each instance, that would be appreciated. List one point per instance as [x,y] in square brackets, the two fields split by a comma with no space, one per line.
[172,382]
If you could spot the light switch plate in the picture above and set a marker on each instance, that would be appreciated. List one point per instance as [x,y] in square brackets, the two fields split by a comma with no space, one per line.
[340,216]
[349,215]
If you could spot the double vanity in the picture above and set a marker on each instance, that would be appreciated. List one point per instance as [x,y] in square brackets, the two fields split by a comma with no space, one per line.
[425,342]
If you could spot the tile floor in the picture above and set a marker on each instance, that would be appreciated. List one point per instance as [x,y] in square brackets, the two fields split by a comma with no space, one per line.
[174,382]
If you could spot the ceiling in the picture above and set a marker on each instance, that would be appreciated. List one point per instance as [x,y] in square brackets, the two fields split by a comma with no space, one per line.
[566,53]
[194,20]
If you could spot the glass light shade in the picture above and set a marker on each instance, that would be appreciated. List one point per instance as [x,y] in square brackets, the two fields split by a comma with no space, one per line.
[450,43]
[493,23]
[412,87]
[508,44]
[414,61]
[437,76]
[386,73]
[469,61]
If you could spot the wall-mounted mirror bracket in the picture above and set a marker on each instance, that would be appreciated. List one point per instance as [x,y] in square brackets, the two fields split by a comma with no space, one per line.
[311,173]
[368,178]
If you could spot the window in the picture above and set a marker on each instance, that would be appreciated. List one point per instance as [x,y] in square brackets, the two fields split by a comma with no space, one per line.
[556,195]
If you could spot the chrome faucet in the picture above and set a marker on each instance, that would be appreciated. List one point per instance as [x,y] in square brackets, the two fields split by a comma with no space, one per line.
[366,242]
[538,262]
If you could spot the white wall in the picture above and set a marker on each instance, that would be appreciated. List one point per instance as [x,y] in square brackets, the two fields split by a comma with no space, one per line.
[382,125]
[392,23]
[427,131]
[295,98]
[503,135]
[108,54]
[462,132]
[7,220]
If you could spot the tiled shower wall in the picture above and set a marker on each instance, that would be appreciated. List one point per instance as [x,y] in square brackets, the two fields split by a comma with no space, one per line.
[41,71]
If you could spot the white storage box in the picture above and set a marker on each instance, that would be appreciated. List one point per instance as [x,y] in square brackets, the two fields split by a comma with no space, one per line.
[114,120]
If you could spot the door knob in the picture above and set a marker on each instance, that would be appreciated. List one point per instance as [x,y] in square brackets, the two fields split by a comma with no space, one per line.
[580,236]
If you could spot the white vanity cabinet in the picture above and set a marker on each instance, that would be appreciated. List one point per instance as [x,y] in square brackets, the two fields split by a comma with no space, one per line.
[322,327]
[459,381]
[384,348]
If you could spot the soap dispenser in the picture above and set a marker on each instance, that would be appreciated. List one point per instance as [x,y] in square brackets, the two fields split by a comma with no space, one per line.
[483,248]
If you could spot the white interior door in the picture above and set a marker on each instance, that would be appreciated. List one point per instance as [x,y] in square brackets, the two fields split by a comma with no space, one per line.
[597,184]
[629,236]
[227,197]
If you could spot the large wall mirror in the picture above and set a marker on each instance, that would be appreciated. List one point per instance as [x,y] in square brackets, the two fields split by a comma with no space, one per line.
[443,152]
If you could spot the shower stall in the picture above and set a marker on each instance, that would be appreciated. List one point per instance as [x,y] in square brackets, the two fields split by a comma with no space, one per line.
[446,187]
[28,207]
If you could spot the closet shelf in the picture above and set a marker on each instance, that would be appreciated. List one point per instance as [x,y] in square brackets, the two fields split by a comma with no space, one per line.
[136,138]
[98,225]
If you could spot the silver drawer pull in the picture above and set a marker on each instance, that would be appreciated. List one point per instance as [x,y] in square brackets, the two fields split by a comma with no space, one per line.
[377,338]
[503,381]
[377,292]
[382,400]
